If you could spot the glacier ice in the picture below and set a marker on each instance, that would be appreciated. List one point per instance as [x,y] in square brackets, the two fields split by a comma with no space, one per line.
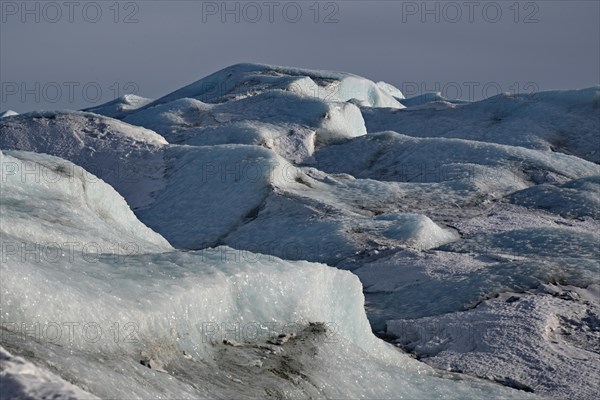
[191,224]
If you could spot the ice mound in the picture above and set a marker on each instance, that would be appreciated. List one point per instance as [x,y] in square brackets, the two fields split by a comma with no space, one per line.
[577,198]
[544,340]
[8,113]
[558,121]
[79,210]
[293,142]
[68,127]
[333,222]
[119,107]
[297,118]
[391,90]
[416,229]
[309,107]
[212,190]
[243,80]
[126,156]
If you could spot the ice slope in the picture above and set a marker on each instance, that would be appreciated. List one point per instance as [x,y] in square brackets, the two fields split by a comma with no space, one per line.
[144,325]
[80,212]
[126,156]
[212,190]
[120,106]
[543,340]
[559,121]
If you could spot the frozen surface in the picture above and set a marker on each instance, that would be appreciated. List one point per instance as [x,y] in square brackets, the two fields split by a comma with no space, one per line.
[543,340]
[144,325]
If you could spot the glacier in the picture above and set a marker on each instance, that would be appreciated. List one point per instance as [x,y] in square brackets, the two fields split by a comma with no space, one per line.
[281,232]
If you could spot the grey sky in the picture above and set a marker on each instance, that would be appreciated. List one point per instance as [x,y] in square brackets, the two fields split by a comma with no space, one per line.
[545,45]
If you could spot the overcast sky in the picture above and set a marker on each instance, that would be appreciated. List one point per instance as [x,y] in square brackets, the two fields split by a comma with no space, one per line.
[82,53]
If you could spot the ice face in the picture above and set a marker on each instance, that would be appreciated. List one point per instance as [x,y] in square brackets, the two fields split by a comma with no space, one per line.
[78,209]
